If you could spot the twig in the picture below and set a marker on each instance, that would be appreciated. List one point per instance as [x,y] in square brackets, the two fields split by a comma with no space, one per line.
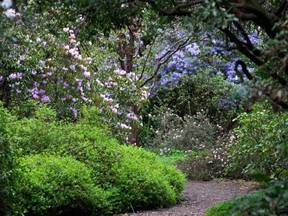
[163,59]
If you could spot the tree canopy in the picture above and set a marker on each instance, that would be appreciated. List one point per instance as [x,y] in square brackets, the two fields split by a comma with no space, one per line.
[236,20]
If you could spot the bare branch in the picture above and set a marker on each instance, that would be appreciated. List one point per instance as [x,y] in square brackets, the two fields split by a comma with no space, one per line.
[248,43]
[178,8]
[252,10]
[244,70]
[163,59]
[241,47]
[145,63]
[280,13]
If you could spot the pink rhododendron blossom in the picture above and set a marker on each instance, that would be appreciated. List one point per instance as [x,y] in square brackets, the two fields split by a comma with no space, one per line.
[22,58]
[72,67]
[42,62]
[99,83]
[88,86]
[88,60]
[87,74]
[120,72]
[45,99]
[35,96]
[132,116]
[83,67]
[72,36]
[74,112]
[124,126]
[13,76]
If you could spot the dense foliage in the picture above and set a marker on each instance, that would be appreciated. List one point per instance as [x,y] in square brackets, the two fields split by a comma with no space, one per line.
[261,142]
[7,162]
[53,185]
[271,200]
[111,178]
[178,78]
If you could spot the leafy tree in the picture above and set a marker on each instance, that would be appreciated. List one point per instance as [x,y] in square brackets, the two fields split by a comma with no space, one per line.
[236,20]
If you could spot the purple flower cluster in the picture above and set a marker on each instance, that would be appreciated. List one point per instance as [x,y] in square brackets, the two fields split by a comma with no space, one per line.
[213,54]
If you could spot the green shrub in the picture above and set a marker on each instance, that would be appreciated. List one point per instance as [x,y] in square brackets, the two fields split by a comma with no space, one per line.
[202,91]
[54,185]
[7,161]
[270,200]
[173,157]
[36,134]
[189,133]
[143,182]
[261,144]
[135,178]
[209,163]
[220,209]
[224,208]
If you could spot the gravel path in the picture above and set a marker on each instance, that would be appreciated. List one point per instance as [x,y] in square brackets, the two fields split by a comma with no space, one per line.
[198,196]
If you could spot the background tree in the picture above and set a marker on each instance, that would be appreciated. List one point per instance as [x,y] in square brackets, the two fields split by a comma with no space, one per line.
[236,20]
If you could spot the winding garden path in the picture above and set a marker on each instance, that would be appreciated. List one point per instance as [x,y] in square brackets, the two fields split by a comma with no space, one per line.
[198,196]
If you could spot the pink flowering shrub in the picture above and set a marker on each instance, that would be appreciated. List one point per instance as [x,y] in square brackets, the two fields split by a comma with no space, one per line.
[44,67]
[59,70]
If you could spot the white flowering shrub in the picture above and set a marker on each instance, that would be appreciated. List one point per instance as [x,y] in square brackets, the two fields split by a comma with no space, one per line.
[259,143]
[191,133]
[203,144]
[210,163]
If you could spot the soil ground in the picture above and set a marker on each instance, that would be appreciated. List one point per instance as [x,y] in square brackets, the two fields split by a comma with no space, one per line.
[198,196]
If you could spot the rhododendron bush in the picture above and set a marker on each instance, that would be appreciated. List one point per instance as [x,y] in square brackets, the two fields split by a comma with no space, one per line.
[54,69]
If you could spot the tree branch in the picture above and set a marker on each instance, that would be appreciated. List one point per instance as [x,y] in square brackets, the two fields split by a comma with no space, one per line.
[280,13]
[249,45]
[145,63]
[163,59]
[252,10]
[240,46]
[244,69]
